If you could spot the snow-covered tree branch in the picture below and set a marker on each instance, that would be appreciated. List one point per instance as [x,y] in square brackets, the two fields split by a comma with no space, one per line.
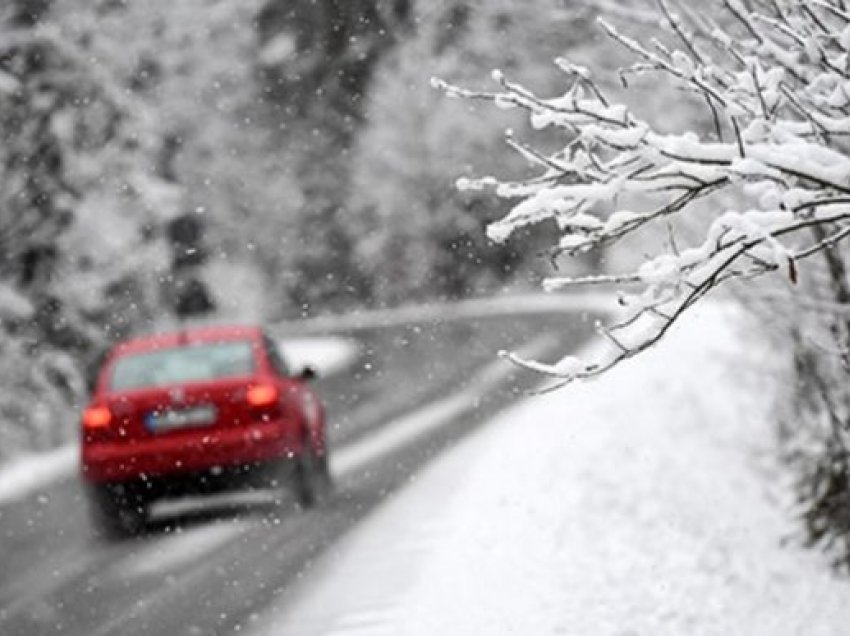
[774,77]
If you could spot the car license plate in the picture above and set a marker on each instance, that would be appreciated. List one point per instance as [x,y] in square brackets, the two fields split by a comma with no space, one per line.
[159,421]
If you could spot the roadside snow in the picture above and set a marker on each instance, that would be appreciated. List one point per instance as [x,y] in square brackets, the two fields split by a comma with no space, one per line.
[31,473]
[471,308]
[638,504]
[327,355]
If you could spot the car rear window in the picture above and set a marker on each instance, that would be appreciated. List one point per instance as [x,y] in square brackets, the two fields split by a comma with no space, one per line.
[176,365]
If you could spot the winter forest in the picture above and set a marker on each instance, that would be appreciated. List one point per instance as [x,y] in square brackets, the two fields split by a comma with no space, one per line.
[271,160]
[250,160]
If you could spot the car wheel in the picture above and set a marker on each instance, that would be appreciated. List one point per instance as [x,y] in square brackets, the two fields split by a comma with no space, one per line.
[117,511]
[313,482]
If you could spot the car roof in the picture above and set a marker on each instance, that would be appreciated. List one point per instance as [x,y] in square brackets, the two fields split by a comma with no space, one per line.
[187,335]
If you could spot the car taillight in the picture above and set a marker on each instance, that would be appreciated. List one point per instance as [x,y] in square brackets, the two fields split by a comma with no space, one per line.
[96,418]
[261,395]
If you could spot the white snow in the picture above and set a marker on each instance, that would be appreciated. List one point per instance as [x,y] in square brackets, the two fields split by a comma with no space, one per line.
[509,304]
[14,305]
[327,355]
[279,50]
[643,503]
[31,473]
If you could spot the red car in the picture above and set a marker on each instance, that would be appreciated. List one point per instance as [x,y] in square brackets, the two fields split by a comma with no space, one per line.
[195,411]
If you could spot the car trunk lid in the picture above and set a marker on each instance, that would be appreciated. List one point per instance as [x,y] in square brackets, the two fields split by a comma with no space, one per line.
[180,408]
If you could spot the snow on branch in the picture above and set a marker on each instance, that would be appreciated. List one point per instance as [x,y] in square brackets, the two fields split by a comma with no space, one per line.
[775,79]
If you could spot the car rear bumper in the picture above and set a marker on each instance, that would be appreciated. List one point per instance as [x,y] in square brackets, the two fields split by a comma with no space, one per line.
[185,452]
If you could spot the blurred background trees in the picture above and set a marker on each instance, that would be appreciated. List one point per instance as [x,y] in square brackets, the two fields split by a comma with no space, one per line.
[245,160]
[82,207]
[417,235]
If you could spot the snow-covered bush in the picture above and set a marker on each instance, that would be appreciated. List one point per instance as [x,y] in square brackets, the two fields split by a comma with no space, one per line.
[765,175]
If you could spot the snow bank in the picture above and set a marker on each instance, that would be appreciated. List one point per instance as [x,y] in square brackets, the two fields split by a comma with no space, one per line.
[31,473]
[636,504]
[326,355]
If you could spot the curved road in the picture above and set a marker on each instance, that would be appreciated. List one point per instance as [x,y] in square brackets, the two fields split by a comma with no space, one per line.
[213,566]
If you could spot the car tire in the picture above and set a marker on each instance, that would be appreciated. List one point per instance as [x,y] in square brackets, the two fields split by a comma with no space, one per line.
[117,511]
[312,480]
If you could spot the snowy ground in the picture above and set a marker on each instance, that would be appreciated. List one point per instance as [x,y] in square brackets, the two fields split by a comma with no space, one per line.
[643,503]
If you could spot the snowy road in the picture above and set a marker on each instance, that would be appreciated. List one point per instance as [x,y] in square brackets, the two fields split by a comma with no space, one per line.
[646,503]
[213,567]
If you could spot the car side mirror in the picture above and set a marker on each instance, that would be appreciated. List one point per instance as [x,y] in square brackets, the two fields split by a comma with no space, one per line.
[307,373]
